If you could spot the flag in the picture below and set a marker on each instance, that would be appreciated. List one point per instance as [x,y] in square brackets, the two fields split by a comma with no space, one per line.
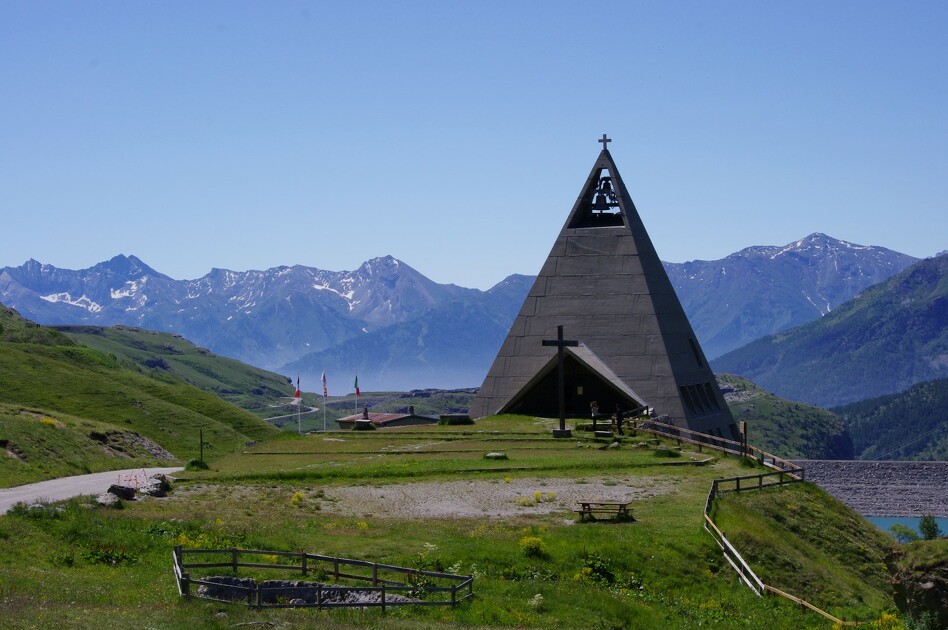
[357,386]
[297,394]
[325,391]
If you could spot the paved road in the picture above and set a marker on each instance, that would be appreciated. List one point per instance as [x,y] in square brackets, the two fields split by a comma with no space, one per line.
[67,487]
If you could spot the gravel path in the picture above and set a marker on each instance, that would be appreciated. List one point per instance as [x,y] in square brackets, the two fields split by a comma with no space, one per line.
[884,488]
[68,487]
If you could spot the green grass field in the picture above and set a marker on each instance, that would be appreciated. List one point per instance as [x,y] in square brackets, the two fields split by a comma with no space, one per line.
[101,568]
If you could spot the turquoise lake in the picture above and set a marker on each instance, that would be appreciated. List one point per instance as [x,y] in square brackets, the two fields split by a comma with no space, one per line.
[885,522]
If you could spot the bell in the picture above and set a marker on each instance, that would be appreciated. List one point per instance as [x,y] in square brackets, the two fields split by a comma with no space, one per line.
[600,204]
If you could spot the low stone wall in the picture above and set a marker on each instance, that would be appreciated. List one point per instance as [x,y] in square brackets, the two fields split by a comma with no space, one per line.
[294,592]
[883,488]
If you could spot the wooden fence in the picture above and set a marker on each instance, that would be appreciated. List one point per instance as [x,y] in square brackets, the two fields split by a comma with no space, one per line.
[703,440]
[414,587]
[784,472]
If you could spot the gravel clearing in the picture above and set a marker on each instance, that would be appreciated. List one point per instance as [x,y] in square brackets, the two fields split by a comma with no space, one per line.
[491,498]
[472,498]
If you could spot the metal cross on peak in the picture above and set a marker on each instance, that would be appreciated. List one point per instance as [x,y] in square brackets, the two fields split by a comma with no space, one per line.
[605,142]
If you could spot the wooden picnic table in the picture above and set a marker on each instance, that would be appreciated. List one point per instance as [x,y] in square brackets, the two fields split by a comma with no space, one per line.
[618,509]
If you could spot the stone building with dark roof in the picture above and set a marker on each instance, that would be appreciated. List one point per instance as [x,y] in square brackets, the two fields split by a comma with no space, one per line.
[385,420]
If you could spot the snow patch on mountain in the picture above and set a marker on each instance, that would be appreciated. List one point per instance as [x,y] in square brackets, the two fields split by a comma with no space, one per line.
[138,305]
[129,290]
[65,298]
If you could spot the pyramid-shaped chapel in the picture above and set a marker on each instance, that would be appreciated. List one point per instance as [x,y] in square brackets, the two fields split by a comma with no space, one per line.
[635,349]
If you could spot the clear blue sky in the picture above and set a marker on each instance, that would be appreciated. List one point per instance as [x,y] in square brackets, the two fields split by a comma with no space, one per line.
[456,136]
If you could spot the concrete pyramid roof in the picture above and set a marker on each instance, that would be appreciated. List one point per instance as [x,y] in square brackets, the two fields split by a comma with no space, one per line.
[604,283]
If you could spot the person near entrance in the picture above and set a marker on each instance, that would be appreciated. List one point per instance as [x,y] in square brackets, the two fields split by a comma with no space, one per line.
[618,418]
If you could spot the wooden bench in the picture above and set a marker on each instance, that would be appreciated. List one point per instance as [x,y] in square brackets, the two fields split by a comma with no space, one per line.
[619,510]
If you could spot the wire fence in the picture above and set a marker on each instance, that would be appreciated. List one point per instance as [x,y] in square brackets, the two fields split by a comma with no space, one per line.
[389,585]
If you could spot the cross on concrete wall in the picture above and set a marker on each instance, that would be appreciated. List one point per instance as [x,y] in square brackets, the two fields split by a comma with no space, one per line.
[560,343]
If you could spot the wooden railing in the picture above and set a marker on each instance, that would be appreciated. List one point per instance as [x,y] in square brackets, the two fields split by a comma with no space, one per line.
[756,482]
[784,472]
[806,604]
[414,582]
[703,440]
[734,558]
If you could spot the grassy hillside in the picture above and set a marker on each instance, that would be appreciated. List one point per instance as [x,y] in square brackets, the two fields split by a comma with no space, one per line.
[84,392]
[885,340]
[535,565]
[175,357]
[799,539]
[35,445]
[783,427]
[911,425]
[16,329]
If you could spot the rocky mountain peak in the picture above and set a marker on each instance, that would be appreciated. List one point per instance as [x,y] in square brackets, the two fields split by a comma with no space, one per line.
[126,267]
[271,317]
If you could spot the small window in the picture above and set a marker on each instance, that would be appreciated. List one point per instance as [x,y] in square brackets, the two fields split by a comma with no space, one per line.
[686,396]
[694,350]
[702,396]
[709,391]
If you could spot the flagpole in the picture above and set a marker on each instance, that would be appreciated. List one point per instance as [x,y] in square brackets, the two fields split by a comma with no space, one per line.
[325,400]
[299,405]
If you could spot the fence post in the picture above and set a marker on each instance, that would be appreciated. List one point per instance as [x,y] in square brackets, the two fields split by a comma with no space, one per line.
[335,563]
[233,559]
[375,575]
[383,598]
[760,482]
[304,564]
[186,585]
